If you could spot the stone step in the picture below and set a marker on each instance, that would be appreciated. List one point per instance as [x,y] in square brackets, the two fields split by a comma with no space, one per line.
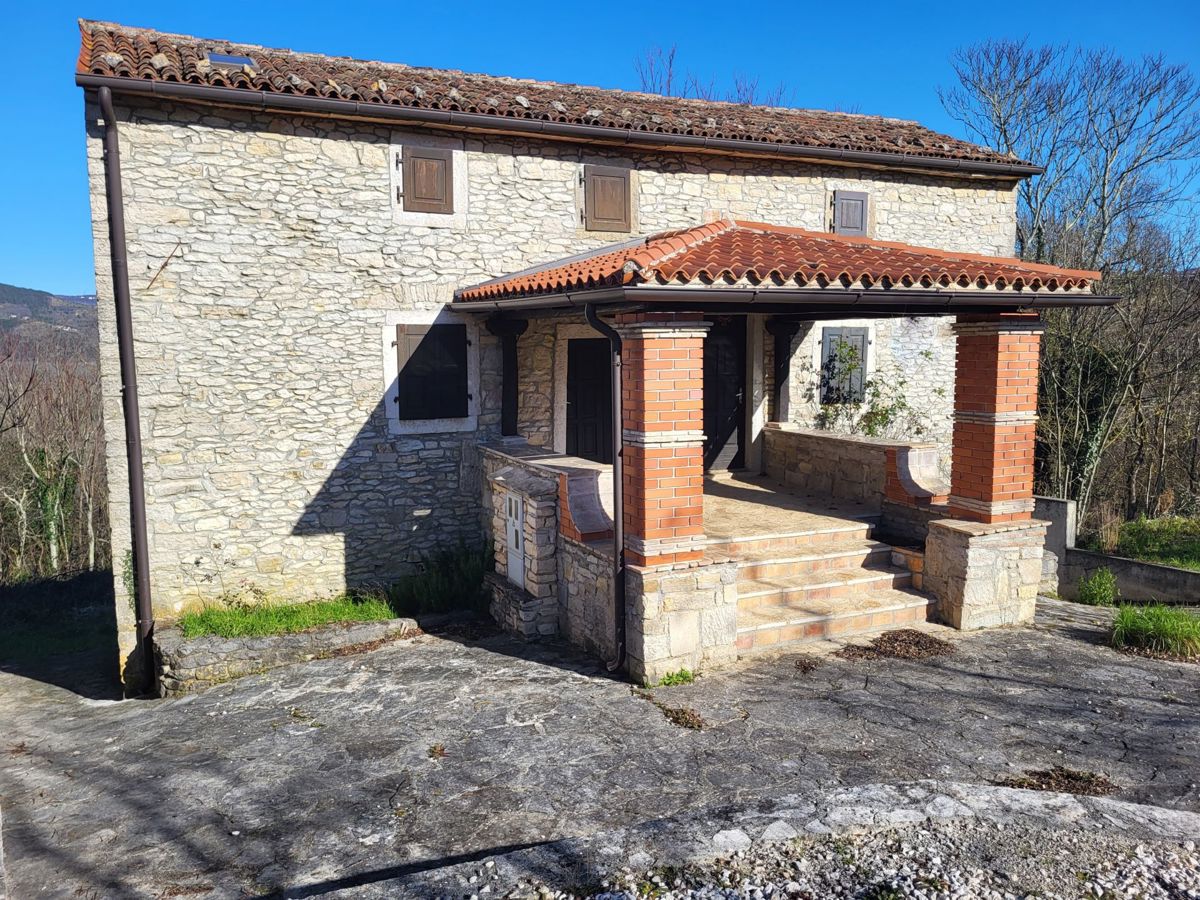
[771,564]
[784,542]
[820,587]
[778,627]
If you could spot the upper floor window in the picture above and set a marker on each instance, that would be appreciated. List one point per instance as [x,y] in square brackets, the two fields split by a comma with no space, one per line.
[607,199]
[850,212]
[427,183]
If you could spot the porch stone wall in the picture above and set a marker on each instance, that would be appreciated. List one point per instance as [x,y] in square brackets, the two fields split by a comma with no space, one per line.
[984,574]
[586,614]
[682,617]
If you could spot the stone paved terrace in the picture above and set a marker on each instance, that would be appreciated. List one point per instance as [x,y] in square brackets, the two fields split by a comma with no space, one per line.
[320,775]
[737,505]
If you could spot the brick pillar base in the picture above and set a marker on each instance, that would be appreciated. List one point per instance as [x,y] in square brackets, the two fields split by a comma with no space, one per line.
[662,402]
[995,417]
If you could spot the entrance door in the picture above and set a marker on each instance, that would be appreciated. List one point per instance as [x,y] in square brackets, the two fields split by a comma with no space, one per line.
[589,399]
[725,394]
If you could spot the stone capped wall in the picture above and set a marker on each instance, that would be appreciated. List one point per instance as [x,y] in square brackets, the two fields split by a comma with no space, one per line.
[264,259]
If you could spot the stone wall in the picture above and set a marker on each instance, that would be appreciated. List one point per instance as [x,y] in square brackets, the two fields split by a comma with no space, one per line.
[682,617]
[1136,580]
[585,597]
[1060,537]
[266,257]
[188,665]
[984,574]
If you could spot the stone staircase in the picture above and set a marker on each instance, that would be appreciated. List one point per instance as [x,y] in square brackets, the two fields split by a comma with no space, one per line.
[830,579]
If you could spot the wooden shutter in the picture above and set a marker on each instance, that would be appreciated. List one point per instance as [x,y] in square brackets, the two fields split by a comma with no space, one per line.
[839,385]
[431,367]
[606,200]
[428,179]
[850,212]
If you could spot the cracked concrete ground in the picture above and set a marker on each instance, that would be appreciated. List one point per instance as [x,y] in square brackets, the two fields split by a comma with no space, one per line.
[317,777]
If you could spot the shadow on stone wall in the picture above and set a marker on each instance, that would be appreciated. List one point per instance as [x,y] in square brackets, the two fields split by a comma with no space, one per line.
[62,631]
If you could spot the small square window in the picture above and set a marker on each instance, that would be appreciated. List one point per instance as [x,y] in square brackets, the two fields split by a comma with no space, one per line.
[607,202]
[428,179]
[850,211]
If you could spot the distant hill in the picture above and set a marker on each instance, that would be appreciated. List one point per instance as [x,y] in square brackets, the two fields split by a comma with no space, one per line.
[28,309]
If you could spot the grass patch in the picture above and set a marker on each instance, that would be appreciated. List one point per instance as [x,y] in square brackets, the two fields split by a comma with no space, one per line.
[1170,540]
[674,679]
[1099,588]
[1157,629]
[233,619]
[452,580]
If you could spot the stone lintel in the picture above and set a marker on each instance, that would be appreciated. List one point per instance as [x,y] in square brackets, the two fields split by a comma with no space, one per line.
[662,438]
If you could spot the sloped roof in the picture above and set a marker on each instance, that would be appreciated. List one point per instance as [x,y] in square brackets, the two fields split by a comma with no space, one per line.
[154,58]
[731,252]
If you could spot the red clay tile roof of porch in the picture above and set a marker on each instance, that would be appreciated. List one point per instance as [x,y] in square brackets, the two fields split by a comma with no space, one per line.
[145,55]
[729,252]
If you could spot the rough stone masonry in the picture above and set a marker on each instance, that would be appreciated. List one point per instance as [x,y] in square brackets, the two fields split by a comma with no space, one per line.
[267,257]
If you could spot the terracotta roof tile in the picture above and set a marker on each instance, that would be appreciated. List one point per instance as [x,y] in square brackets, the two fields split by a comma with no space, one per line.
[119,51]
[729,253]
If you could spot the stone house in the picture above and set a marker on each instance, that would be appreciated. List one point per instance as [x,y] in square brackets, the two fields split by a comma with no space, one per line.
[355,313]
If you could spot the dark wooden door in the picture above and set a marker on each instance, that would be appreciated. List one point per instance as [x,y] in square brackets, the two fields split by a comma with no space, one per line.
[589,399]
[725,394]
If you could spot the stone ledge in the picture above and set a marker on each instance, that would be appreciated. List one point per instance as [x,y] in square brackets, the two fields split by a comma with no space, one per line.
[187,665]
[983,529]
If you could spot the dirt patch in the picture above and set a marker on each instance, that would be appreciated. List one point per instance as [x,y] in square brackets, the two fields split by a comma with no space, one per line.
[1062,780]
[1159,655]
[904,643]
[806,663]
[682,716]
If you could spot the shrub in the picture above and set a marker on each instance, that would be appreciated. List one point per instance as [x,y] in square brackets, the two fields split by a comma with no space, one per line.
[1099,589]
[1157,628]
[449,580]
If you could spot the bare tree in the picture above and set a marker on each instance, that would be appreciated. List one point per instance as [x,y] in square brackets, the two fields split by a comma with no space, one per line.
[1119,141]
[657,74]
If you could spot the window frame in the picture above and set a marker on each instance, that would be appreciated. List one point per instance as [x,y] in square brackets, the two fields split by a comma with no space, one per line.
[836,225]
[457,219]
[391,366]
[409,155]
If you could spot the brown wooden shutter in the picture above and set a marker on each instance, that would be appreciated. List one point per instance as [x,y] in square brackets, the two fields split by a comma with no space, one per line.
[850,212]
[606,199]
[428,175]
[431,371]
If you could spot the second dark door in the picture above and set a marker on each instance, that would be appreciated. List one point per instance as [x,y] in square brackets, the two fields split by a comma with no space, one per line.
[589,399]
[725,394]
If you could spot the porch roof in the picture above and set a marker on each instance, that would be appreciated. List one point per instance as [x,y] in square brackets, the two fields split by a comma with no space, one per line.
[753,262]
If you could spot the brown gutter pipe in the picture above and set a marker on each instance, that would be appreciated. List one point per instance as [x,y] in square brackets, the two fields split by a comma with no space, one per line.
[302,103]
[115,201]
[618,504]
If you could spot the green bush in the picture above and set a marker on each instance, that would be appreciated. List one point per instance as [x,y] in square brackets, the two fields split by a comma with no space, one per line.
[1100,589]
[448,581]
[1171,540]
[1158,628]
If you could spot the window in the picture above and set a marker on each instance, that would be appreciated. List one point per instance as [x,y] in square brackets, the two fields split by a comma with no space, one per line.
[606,199]
[428,179]
[850,212]
[431,367]
[843,364]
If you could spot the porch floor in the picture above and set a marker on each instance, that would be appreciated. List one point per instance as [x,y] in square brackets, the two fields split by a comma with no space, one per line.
[738,505]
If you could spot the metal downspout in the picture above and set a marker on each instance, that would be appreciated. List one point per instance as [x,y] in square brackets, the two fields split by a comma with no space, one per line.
[618,504]
[129,395]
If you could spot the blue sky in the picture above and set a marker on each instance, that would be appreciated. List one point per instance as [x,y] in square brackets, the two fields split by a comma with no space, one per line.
[897,53]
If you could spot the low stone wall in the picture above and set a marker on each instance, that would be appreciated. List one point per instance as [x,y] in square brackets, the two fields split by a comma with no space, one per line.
[1136,580]
[193,664]
[586,614]
[984,574]
[905,523]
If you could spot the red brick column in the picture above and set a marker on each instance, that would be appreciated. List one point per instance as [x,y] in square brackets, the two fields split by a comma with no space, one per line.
[662,405]
[995,417]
